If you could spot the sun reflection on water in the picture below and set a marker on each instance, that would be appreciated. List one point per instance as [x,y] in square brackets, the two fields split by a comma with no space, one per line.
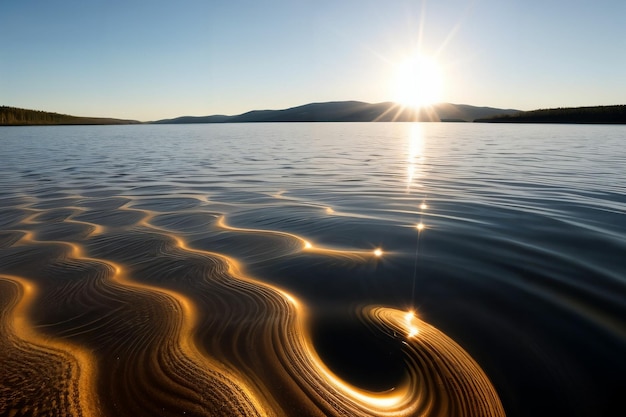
[415,156]
[415,163]
[412,330]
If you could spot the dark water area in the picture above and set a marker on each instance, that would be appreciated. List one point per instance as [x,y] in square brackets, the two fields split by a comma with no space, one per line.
[156,264]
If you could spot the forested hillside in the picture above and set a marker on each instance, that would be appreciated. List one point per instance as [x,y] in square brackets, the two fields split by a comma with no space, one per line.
[12,116]
[598,114]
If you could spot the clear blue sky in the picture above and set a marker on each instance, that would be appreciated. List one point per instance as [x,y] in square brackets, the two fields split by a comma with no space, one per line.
[147,60]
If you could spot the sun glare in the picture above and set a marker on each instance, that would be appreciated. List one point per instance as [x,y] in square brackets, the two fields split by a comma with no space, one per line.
[418,82]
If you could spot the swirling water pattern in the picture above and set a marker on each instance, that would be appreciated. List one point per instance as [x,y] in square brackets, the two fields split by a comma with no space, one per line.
[313,269]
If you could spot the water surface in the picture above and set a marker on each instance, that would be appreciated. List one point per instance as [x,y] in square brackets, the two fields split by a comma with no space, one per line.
[233,269]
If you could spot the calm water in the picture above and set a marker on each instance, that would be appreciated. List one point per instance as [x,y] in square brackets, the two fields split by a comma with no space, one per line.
[521,261]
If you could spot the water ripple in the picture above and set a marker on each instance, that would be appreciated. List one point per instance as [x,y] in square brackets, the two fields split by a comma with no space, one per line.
[327,269]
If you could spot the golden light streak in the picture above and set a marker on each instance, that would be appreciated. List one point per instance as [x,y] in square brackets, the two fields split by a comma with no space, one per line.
[435,358]
[83,371]
[305,244]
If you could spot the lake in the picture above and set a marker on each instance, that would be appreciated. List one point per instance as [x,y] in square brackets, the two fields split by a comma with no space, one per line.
[313,269]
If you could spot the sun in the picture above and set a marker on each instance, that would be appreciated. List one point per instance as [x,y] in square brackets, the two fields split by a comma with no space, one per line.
[418,82]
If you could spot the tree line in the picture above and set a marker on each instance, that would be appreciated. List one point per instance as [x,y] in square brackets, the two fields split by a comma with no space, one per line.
[596,114]
[13,116]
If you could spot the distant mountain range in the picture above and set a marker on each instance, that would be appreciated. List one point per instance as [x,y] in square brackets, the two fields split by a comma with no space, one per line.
[352,111]
[347,111]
